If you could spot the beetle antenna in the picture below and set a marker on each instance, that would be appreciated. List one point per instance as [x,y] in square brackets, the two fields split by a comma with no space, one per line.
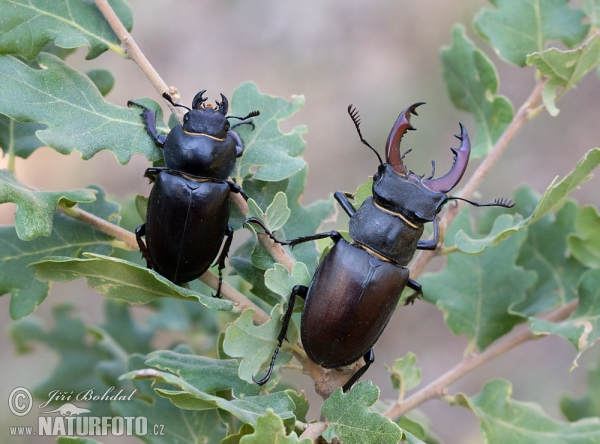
[433,170]
[169,99]
[252,114]
[501,202]
[356,119]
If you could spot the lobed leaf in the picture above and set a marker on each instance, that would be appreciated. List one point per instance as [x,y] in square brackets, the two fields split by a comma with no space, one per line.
[269,154]
[472,82]
[565,69]
[206,374]
[582,329]
[586,406]
[473,291]
[19,138]
[176,424]
[28,25]
[74,110]
[350,420]
[256,344]
[35,209]
[517,28]
[280,281]
[69,238]
[270,428]
[404,373]
[584,243]
[505,420]
[121,280]
[189,397]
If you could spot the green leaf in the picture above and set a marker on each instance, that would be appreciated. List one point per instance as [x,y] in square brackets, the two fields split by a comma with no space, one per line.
[77,116]
[103,79]
[27,25]
[69,238]
[278,212]
[472,82]
[177,425]
[351,421]
[506,421]
[121,280]
[588,405]
[35,209]
[552,200]
[245,429]
[280,281]
[545,252]
[19,137]
[473,289]
[189,397]
[592,10]
[585,242]
[256,344]
[206,374]
[78,356]
[269,154]
[582,329]
[520,27]
[565,69]
[404,373]
[269,428]
[362,192]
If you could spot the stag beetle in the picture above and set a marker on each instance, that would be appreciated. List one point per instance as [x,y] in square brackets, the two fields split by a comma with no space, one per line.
[357,285]
[188,207]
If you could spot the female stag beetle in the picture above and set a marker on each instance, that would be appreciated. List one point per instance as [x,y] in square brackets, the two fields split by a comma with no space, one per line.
[357,285]
[188,207]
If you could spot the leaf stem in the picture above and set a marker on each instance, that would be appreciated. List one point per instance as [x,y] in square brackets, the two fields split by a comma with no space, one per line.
[11,146]
[439,387]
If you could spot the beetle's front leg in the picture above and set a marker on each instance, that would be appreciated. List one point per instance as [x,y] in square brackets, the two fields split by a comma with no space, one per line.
[235,188]
[149,118]
[334,235]
[222,257]
[342,198]
[298,290]
[413,285]
[430,244]
[152,173]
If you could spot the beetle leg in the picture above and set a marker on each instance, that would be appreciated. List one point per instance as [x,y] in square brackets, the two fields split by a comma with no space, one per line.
[235,188]
[369,358]
[430,244]
[342,198]
[149,118]
[334,235]
[152,173]
[222,257]
[413,285]
[139,232]
[298,290]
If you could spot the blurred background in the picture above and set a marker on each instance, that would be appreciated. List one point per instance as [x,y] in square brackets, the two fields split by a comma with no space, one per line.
[380,56]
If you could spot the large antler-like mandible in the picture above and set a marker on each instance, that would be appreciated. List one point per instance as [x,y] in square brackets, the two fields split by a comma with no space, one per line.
[393,155]
[223,105]
[198,100]
[461,159]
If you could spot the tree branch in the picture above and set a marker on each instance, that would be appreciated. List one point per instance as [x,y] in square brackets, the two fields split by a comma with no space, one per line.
[439,387]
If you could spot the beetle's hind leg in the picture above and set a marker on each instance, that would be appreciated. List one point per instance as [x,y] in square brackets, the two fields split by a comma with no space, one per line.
[149,118]
[369,358]
[139,232]
[222,257]
[298,290]
[414,285]
[334,235]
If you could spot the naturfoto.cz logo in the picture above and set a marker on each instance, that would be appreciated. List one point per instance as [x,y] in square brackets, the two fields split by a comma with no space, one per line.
[71,420]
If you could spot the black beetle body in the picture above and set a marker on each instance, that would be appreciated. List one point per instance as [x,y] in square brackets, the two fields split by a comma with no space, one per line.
[188,207]
[357,285]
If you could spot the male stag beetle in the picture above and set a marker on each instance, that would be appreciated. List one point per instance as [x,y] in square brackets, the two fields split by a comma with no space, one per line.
[357,285]
[188,207]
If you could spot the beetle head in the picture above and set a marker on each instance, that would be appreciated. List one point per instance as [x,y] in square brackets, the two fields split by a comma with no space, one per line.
[205,119]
